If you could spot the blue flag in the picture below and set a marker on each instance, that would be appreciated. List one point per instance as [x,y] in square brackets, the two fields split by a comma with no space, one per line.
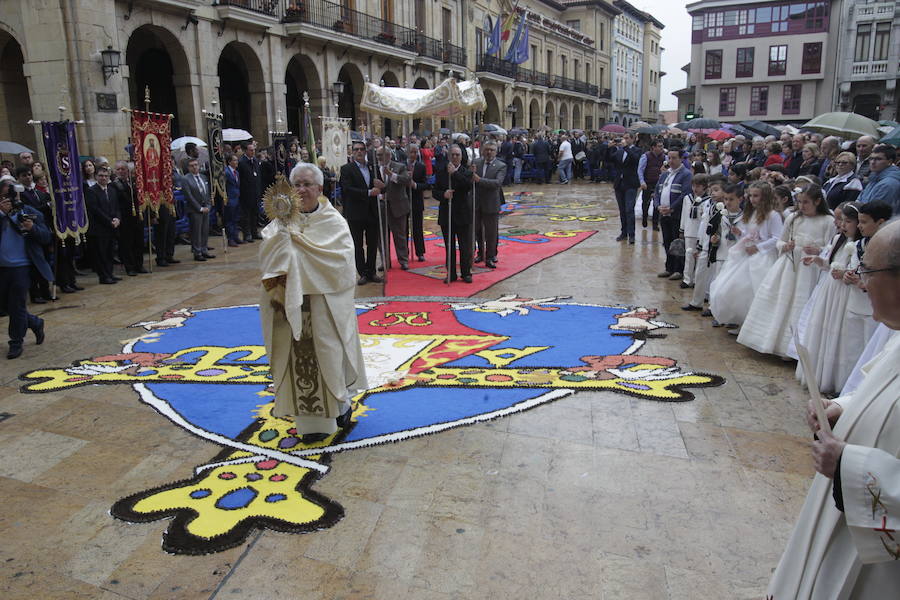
[494,40]
[518,48]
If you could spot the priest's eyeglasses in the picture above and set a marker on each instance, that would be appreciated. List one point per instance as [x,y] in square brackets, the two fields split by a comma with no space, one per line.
[866,274]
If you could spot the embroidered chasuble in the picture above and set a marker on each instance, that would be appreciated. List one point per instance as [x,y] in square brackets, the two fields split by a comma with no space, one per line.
[309,318]
[853,554]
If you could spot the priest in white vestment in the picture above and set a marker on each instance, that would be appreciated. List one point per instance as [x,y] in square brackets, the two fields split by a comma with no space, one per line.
[846,543]
[307,306]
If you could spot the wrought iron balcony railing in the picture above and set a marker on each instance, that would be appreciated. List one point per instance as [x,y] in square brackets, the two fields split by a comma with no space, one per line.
[337,17]
[492,64]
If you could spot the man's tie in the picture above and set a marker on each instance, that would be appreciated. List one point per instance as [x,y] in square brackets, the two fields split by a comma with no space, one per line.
[200,184]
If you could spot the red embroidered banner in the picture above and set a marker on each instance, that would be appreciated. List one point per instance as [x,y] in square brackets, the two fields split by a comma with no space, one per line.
[152,139]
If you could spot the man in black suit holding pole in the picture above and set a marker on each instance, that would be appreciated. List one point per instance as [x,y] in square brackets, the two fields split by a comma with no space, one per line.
[359,193]
[453,185]
[417,185]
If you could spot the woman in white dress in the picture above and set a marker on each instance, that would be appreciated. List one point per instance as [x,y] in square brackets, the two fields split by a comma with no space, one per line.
[732,291]
[833,348]
[788,283]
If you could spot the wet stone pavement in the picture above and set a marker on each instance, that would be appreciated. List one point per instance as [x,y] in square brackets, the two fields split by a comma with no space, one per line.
[596,495]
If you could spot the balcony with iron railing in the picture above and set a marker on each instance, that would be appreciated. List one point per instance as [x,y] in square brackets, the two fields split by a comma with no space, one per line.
[262,12]
[497,66]
[336,17]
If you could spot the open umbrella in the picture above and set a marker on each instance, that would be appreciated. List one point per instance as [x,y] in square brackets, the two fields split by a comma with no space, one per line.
[639,125]
[893,138]
[739,130]
[518,131]
[444,131]
[493,128]
[675,130]
[13,148]
[180,143]
[613,128]
[720,135]
[653,129]
[760,128]
[236,135]
[701,123]
[844,124]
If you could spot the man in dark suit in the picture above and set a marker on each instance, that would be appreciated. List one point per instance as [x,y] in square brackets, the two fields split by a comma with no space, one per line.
[359,191]
[396,209]
[197,203]
[103,215]
[541,150]
[233,202]
[131,232]
[418,183]
[40,201]
[489,175]
[453,185]
[505,152]
[627,185]
[251,191]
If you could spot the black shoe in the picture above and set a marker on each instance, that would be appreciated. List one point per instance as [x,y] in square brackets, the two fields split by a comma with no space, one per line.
[117,278]
[39,333]
[631,241]
[199,258]
[404,267]
[421,258]
[162,263]
[490,264]
[131,273]
[67,289]
[363,280]
[141,270]
[685,286]
[39,300]
[313,438]
[376,279]
[256,236]
[622,238]
[467,278]
[706,313]
[172,261]
[108,281]
[247,240]
[78,288]
[14,352]
[209,256]
[478,258]
[345,419]
[644,222]
[655,227]
[691,308]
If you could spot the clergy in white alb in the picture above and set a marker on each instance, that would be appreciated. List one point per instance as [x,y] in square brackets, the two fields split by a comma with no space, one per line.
[846,543]
[307,306]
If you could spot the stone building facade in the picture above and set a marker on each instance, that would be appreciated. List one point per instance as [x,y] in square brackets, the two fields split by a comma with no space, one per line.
[255,58]
[636,59]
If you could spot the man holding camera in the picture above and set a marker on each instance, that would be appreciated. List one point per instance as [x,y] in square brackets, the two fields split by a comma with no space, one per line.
[22,238]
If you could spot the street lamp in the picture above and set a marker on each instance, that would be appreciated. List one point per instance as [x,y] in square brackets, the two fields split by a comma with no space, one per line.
[111,60]
[337,90]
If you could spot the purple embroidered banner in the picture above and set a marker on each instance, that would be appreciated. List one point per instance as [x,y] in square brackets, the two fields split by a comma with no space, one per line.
[64,173]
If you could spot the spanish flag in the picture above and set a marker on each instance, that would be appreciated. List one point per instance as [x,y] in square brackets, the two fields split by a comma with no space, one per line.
[506,30]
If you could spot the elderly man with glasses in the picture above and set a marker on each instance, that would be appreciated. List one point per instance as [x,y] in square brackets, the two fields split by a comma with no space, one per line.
[846,541]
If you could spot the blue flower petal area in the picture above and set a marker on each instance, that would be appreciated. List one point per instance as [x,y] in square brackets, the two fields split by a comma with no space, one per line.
[217,408]
[236,499]
[418,407]
[569,331]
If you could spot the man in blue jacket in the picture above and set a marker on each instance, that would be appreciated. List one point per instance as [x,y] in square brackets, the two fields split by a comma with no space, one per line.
[673,185]
[22,238]
[884,178]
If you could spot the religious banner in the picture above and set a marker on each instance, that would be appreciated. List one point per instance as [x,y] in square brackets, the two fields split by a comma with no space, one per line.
[150,133]
[65,183]
[281,152]
[216,157]
[335,140]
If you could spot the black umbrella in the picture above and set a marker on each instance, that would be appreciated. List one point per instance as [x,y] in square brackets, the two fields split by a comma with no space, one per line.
[761,128]
[13,148]
[652,129]
[740,129]
[702,124]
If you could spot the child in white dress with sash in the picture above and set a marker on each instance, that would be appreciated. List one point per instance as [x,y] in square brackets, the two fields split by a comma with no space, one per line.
[731,294]
[704,270]
[822,331]
[788,284]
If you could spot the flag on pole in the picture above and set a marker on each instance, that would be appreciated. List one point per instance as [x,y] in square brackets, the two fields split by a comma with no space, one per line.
[518,49]
[310,137]
[493,46]
[507,26]
[151,136]
[69,212]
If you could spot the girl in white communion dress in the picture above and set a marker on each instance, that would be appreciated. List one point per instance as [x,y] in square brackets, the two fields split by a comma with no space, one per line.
[732,291]
[788,283]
